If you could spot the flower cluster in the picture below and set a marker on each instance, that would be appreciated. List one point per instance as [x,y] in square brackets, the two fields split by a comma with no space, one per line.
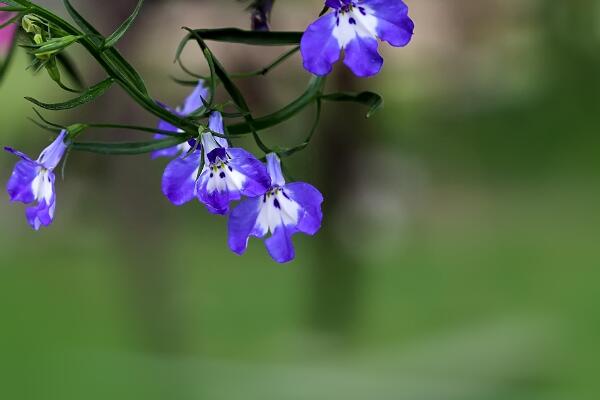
[203,165]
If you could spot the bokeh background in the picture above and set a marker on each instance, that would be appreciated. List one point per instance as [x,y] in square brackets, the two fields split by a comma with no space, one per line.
[459,255]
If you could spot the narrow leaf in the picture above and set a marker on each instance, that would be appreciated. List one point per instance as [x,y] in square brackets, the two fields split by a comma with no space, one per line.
[121,30]
[255,38]
[89,95]
[370,99]
[127,148]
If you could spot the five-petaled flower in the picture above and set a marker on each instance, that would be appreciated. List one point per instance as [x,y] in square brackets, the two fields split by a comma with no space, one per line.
[354,27]
[227,174]
[33,181]
[192,103]
[282,210]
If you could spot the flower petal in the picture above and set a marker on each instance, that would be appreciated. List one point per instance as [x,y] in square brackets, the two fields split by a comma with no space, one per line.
[280,245]
[51,155]
[319,48]
[17,153]
[241,225]
[215,124]
[258,180]
[394,25]
[41,215]
[362,56]
[194,101]
[179,179]
[216,198]
[19,185]
[274,169]
[310,200]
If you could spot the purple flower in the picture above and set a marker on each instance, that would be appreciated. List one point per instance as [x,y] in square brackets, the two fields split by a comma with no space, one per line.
[33,182]
[282,210]
[355,26]
[7,33]
[192,103]
[227,175]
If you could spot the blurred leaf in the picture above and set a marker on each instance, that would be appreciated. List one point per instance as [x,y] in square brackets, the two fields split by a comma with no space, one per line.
[89,95]
[121,30]
[69,67]
[256,38]
[370,99]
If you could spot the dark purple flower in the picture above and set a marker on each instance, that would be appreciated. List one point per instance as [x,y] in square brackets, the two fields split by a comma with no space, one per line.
[354,27]
[228,173]
[33,182]
[192,103]
[282,210]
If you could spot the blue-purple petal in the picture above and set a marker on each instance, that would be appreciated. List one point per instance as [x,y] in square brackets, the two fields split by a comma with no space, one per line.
[19,185]
[280,245]
[215,124]
[274,170]
[217,202]
[179,178]
[194,101]
[393,23]
[310,200]
[362,57]
[319,48]
[241,225]
[258,180]
[51,155]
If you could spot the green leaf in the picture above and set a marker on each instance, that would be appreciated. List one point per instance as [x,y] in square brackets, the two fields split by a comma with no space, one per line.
[255,38]
[89,95]
[370,99]
[121,30]
[13,9]
[127,148]
[312,92]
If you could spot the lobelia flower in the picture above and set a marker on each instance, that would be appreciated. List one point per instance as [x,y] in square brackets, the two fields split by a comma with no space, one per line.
[354,27]
[33,181]
[191,104]
[282,210]
[227,175]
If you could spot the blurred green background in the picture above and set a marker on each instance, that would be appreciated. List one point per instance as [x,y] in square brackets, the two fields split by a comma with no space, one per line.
[459,255]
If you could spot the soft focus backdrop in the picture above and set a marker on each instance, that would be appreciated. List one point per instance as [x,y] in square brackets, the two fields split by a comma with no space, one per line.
[459,256]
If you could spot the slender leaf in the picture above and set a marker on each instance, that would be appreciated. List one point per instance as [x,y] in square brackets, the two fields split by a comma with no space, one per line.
[370,99]
[88,28]
[312,92]
[255,38]
[121,30]
[89,95]
[129,148]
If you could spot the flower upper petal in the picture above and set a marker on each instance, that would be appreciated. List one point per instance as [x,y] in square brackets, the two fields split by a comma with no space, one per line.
[215,124]
[179,178]
[241,225]
[194,100]
[51,155]
[320,49]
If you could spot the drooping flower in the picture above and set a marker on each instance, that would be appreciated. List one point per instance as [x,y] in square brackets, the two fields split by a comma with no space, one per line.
[33,182]
[227,175]
[354,27]
[282,210]
[192,103]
